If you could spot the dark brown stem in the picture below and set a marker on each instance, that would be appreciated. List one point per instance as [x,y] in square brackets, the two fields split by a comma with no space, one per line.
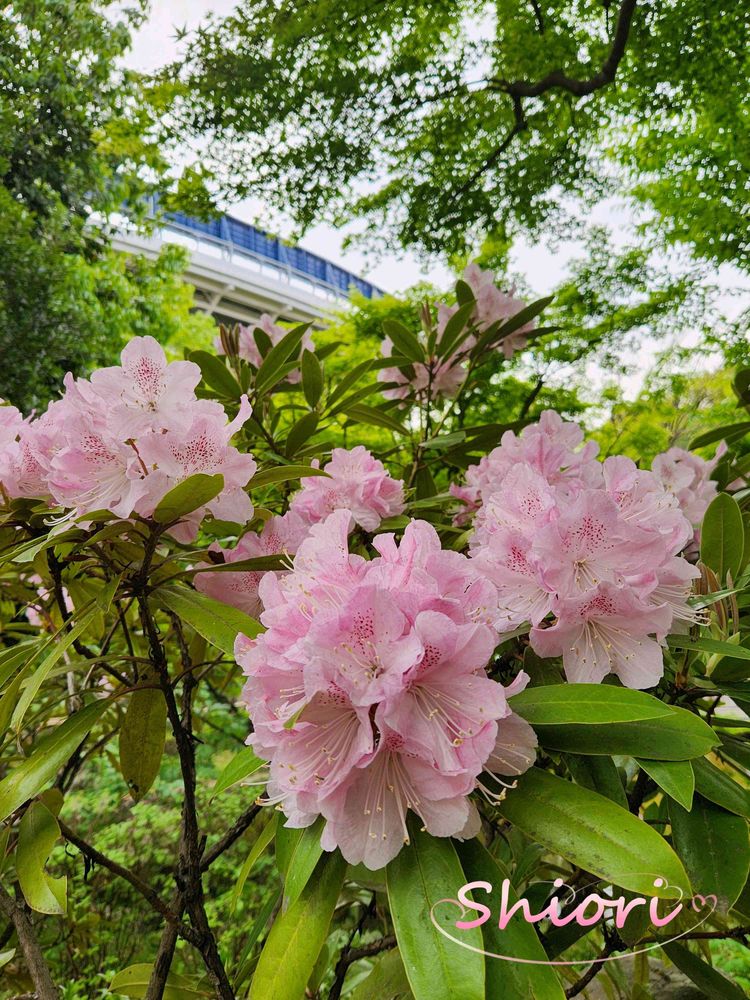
[580,985]
[32,952]
[530,399]
[233,833]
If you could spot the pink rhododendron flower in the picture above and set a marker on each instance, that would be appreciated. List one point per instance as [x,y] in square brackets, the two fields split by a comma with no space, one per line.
[280,536]
[248,348]
[368,690]
[357,482]
[687,476]
[496,306]
[121,440]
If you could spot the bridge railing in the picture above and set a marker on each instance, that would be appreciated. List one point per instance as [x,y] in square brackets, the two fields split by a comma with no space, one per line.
[241,243]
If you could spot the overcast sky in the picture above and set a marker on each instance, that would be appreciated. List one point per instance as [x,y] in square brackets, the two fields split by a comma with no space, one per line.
[155,45]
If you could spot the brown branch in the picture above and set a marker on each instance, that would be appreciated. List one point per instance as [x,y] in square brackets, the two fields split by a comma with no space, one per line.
[538,15]
[518,127]
[233,833]
[580,985]
[558,79]
[32,952]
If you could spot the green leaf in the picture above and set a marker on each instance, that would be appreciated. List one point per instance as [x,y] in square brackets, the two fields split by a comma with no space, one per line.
[586,704]
[297,936]
[304,856]
[519,939]
[241,766]
[456,331]
[594,834]
[30,777]
[283,473]
[679,735]
[271,369]
[729,432]
[217,622]
[142,738]
[312,378]
[246,964]
[718,786]
[723,537]
[187,496]
[37,834]
[711,983]
[301,432]
[216,374]
[360,413]
[705,644]
[256,564]
[403,340]
[386,981]
[133,982]
[714,847]
[260,843]
[675,777]
[464,294]
[350,379]
[600,774]
[424,872]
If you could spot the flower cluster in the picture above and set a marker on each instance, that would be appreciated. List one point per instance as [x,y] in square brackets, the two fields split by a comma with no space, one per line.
[247,347]
[368,690]
[444,376]
[594,545]
[121,440]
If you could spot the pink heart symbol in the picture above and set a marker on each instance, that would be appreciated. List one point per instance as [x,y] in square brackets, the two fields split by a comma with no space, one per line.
[704,901]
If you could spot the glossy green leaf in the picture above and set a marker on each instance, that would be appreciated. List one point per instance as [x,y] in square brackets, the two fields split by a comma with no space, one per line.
[271,369]
[426,871]
[675,777]
[680,735]
[362,414]
[260,843]
[301,432]
[714,847]
[303,857]
[142,738]
[348,380]
[712,984]
[283,474]
[294,942]
[726,433]
[216,374]
[600,774]
[585,704]
[386,981]
[593,833]
[723,537]
[33,774]
[37,835]
[312,378]
[519,939]
[721,787]
[705,644]
[219,623]
[133,982]
[244,764]
[187,496]
[403,340]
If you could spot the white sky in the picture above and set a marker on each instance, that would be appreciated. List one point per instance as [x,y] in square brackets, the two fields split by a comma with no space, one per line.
[155,45]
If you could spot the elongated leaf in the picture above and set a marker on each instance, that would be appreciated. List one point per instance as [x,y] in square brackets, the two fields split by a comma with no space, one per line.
[217,622]
[302,431]
[729,432]
[297,936]
[586,704]
[271,370]
[13,657]
[303,858]
[34,773]
[706,644]
[720,787]
[594,834]
[348,380]
[246,964]
[216,374]
[260,843]
[387,981]
[256,564]
[133,982]
[312,378]
[403,340]
[600,774]
[723,537]
[680,735]
[37,834]
[379,418]
[714,847]
[675,777]
[712,984]
[518,940]
[283,473]
[62,643]
[9,699]
[187,496]
[142,738]
[241,766]
[424,872]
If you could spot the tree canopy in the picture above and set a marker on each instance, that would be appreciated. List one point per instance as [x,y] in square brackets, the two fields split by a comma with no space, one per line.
[443,122]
